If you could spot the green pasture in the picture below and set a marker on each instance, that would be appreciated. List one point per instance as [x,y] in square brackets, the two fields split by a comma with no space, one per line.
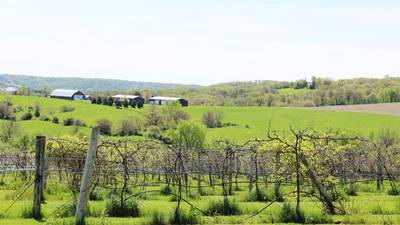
[368,207]
[244,122]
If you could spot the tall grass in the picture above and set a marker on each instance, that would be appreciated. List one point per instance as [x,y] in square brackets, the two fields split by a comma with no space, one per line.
[223,208]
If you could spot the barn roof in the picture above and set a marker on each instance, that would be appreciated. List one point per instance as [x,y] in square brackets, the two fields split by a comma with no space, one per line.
[63,93]
[11,89]
[126,96]
[165,98]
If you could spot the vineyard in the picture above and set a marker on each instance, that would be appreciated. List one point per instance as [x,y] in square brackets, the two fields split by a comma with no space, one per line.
[297,176]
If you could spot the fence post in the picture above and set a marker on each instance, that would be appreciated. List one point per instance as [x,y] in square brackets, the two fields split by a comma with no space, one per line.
[38,188]
[87,174]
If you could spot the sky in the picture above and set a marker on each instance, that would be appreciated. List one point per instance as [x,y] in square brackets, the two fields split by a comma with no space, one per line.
[200,42]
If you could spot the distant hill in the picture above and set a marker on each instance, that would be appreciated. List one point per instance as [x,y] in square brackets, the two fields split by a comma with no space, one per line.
[87,84]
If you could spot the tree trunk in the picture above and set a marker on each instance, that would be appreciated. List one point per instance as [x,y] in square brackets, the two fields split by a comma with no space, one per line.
[317,184]
[277,184]
[379,178]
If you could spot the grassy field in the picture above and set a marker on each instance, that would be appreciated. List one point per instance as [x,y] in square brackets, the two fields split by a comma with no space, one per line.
[368,207]
[248,122]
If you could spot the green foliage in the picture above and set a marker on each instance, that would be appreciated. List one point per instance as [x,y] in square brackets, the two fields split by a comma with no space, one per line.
[129,126]
[318,218]
[56,120]
[37,110]
[95,195]
[213,119]
[69,209]
[27,212]
[129,208]
[104,126]
[392,191]
[224,208]
[27,116]
[69,122]
[80,123]
[166,190]
[189,135]
[180,217]
[288,214]
[6,111]
[351,190]
[67,108]
[157,218]
[260,195]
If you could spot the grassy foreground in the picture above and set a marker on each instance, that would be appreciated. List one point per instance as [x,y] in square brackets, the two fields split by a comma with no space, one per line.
[368,207]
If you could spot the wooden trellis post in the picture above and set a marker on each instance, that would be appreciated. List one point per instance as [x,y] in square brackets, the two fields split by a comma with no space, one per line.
[38,188]
[87,174]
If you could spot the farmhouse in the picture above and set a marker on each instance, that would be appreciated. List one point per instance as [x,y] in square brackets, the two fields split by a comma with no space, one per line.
[11,90]
[68,94]
[129,98]
[159,100]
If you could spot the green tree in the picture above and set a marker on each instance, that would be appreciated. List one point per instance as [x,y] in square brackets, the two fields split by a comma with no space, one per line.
[190,137]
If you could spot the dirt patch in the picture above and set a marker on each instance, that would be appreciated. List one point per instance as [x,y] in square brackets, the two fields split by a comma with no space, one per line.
[384,108]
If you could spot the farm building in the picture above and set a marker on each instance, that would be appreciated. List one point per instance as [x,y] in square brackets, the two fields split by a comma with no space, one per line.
[129,98]
[159,100]
[11,90]
[68,94]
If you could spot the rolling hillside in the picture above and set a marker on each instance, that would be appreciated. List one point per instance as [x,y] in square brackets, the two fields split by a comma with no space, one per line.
[87,84]
[249,122]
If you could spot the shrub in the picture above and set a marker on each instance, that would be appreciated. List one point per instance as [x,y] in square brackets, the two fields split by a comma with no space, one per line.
[154,132]
[223,208]
[56,120]
[67,108]
[213,119]
[26,116]
[110,101]
[318,218]
[125,103]
[104,126]
[154,117]
[139,104]
[69,122]
[351,190]
[288,214]
[80,123]
[27,212]
[37,110]
[259,195]
[94,101]
[157,218]
[129,126]
[166,190]
[133,104]
[130,208]
[44,118]
[7,130]
[378,210]
[69,208]
[180,217]
[5,111]
[172,114]
[95,195]
[392,191]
